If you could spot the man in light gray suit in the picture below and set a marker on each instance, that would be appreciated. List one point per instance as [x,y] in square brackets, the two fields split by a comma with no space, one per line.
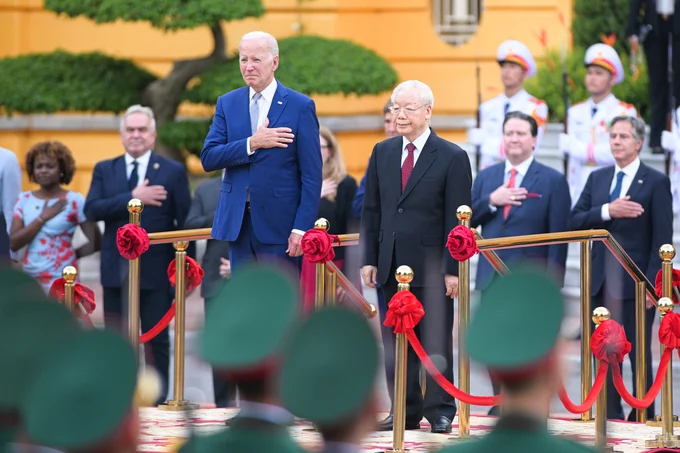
[215,264]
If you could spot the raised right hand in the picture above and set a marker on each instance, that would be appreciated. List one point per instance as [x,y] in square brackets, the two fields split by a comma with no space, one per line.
[633,41]
[369,276]
[150,195]
[623,208]
[277,137]
[505,195]
[50,212]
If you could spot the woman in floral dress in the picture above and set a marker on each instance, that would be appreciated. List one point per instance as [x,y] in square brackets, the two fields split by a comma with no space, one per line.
[46,219]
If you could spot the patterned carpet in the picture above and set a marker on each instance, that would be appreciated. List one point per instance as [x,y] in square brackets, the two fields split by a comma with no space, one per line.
[162,430]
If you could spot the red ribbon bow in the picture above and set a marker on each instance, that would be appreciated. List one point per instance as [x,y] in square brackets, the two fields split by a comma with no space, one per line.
[675,283]
[404,312]
[317,246]
[132,241]
[609,342]
[462,243]
[83,294]
[193,275]
[669,331]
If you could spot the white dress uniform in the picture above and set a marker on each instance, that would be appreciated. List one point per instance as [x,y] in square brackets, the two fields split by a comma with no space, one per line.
[588,124]
[489,136]
[671,142]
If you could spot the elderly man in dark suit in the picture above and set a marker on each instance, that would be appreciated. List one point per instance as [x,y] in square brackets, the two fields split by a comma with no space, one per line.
[216,264]
[162,185]
[414,186]
[633,202]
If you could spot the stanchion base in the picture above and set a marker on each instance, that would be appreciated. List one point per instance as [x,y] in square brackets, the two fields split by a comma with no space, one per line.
[580,420]
[174,405]
[664,441]
[394,451]
[657,421]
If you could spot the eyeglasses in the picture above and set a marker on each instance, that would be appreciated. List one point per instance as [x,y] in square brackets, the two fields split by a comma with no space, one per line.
[408,111]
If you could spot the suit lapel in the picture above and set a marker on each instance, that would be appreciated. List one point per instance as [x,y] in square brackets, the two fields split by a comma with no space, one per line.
[152,169]
[424,162]
[638,181]
[278,103]
[604,184]
[532,176]
[394,164]
[120,172]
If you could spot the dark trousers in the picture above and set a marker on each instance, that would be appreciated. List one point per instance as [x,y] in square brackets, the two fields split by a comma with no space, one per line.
[247,249]
[225,391]
[623,311]
[153,304]
[388,343]
[435,332]
[656,53]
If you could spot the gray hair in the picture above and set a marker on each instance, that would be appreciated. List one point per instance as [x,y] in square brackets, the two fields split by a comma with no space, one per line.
[272,44]
[138,109]
[637,123]
[424,91]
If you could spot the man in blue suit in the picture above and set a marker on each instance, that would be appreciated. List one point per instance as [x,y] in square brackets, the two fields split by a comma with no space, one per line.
[162,185]
[517,197]
[634,203]
[266,138]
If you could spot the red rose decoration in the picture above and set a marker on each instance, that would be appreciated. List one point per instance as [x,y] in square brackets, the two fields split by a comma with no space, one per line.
[83,294]
[609,342]
[194,273]
[669,331]
[404,312]
[132,241]
[462,243]
[317,246]
[675,282]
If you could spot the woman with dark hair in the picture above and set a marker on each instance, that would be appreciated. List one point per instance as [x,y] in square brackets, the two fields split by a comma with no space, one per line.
[46,219]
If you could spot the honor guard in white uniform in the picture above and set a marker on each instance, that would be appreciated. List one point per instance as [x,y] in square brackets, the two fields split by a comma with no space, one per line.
[587,139]
[517,63]
[670,140]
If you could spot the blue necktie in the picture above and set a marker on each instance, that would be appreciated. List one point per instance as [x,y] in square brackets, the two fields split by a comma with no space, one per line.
[616,193]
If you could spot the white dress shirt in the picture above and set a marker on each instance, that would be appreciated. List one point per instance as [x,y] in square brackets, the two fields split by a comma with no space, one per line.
[522,170]
[264,103]
[419,144]
[142,165]
[629,171]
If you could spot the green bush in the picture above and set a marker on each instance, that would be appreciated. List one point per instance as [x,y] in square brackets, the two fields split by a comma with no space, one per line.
[310,65]
[60,81]
[185,135]
[594,18]
[547,84]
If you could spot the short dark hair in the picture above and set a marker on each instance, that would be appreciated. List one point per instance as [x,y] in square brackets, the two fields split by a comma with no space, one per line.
[386,108]
[54,149]
[524,117]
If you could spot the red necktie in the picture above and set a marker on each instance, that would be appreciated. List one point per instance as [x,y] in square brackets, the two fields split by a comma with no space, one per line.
[407,167]
[511,185]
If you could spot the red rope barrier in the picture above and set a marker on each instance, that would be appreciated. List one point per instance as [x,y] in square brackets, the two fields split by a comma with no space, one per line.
[159,327]
[317,246]
[644,403]
[592,395]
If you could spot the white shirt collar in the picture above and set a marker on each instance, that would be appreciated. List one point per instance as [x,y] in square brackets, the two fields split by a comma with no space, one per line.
[603,102]
[142,160]
[419,142]
[631,169]
[267,93]
[517,96]
[522,168]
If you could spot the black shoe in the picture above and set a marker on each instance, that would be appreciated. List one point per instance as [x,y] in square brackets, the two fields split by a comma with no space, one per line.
[441,425]
[658,150]
[388,424]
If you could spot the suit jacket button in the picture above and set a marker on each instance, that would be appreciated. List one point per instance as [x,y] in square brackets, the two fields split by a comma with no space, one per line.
[394,234]
[400,210]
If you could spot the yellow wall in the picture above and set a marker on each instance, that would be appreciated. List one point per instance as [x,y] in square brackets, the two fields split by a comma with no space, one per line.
[399,30]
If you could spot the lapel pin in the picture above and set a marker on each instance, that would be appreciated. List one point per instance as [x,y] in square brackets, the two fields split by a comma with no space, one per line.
[639,181]
[279,102]
[156,166]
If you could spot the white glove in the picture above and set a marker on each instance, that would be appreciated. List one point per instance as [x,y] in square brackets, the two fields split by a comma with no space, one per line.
[564,143]
[668,140]
[475,136]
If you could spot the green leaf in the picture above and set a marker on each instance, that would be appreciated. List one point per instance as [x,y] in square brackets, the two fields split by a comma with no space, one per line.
[547,83]
[310,65]
[61,81]
[593,19]
[162,14]
[185,135]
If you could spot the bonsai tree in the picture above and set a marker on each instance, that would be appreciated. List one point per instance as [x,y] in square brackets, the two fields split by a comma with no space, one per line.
[94,82]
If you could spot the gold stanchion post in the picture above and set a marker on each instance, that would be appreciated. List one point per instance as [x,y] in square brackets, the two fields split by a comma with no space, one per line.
[640,350]
[404,276]
[320,293]
[70,273]
[464,214]
[331,286]
[600,315]
[586,369]
[178,403]
[135,208]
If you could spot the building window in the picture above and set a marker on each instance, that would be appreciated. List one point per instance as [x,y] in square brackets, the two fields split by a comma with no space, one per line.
[456,21]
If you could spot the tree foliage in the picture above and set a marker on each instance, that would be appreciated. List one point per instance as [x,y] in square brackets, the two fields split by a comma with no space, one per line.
[594,19]
[310,65]
[61,81]
[162,14]
[547,83]
[187,135]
